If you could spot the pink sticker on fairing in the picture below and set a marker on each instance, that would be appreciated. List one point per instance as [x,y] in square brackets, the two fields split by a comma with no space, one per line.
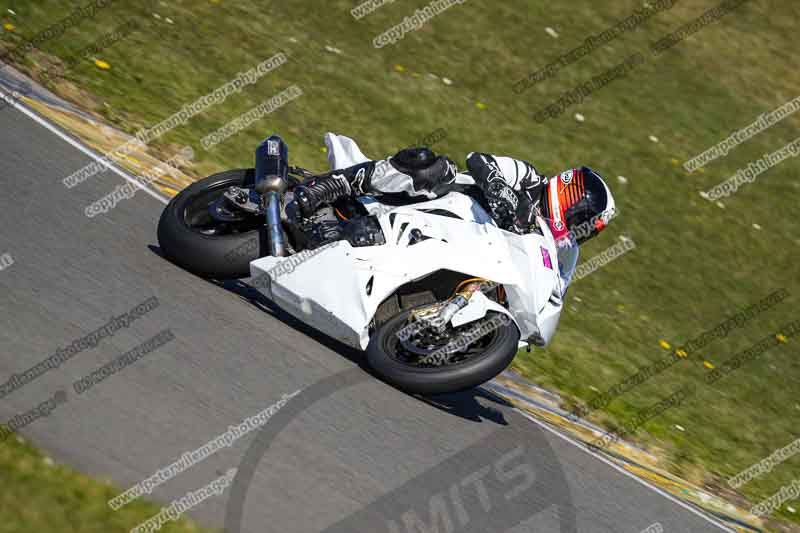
[546,258]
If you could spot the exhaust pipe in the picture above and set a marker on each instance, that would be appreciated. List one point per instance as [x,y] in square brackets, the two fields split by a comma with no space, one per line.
[272,167]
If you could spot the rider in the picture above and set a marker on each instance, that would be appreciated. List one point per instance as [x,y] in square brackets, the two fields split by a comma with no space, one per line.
[577,200]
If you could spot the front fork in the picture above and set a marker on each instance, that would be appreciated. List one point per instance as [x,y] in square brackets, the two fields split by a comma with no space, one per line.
[271,183]
[438,315]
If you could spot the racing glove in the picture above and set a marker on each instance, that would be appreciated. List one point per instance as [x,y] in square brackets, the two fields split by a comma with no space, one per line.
[503,204]
[530,203]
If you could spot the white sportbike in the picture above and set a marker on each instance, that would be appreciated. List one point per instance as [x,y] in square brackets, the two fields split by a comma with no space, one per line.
[437,295]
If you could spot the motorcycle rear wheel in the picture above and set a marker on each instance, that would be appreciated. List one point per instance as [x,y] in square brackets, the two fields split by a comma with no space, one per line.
[192,239]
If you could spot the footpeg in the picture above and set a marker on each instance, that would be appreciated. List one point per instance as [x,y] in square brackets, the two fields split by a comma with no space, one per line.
[244,200]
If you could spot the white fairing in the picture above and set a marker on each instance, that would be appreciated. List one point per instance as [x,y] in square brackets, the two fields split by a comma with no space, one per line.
[338,289]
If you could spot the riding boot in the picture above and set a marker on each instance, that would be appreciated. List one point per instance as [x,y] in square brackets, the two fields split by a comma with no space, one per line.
[323,190]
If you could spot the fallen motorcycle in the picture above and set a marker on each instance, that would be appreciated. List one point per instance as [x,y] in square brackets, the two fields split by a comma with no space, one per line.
[438,296]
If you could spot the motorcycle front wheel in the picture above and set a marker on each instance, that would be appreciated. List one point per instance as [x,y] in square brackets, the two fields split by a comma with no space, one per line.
[486,348]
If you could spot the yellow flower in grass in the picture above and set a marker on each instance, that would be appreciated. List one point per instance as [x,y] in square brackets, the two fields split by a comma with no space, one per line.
[9,27]
[782,338]
[680,352]
[708,365]
[400,68]
[480,105]
[664,344]
[675,162]
[324,150]
[102,64]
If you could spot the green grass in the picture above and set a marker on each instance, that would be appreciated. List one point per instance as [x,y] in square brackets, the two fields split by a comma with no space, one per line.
[39,495]
[695,263]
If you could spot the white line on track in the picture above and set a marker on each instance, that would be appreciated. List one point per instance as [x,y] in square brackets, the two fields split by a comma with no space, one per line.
[624,472]
[54,129]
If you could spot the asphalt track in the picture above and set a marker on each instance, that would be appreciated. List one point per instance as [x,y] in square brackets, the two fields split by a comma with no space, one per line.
[347,454]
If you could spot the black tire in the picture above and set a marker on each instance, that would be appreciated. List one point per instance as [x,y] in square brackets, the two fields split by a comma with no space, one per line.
[216,256]
[496,357]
